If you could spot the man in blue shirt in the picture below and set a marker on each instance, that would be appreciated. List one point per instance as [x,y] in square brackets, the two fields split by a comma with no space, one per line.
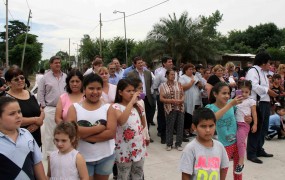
[113,79]
[276,124]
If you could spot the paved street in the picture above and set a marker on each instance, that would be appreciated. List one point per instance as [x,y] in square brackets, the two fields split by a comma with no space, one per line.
[163,165]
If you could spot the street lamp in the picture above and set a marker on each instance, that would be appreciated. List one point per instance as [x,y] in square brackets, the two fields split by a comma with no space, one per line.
[126,48]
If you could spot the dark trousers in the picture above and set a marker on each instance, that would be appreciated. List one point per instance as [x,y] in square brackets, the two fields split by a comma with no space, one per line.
[187,121]
[255,141]
[161,124]
[149,111]
[174,117]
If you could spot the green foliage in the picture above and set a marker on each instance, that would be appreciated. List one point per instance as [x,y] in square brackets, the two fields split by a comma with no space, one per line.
[88,49]
[277,54]
[253,38]
[33,50]
[15,28]
[32,53]
[186,39]
[118,49]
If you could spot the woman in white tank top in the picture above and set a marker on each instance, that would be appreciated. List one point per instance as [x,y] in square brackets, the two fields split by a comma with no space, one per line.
[96,142]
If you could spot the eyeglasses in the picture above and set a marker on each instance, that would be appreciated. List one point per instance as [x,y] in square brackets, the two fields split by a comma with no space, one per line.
[22,78]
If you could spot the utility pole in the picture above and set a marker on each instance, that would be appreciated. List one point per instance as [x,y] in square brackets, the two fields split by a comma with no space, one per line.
[25,43]
[100,40]
[69,52]
[6,36]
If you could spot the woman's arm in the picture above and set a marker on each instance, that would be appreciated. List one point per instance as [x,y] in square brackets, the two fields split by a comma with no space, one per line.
[28,121]
[81,167]
[188,85]
[208,88]
[164,100]
[39,171]
[58,112]
[83,131]
[110,131]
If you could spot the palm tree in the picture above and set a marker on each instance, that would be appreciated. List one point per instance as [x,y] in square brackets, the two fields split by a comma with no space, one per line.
[186,39]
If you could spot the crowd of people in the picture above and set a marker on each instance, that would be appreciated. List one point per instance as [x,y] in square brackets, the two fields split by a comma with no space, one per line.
[92,124]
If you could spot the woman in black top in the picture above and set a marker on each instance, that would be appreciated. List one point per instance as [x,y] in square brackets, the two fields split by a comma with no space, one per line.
[218,71]
[33,114]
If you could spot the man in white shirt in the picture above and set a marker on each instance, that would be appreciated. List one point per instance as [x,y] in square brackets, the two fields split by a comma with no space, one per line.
[51,86]
[96,64]
[261,93]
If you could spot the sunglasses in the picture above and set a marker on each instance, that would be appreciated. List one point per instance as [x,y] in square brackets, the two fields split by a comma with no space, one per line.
[18,79]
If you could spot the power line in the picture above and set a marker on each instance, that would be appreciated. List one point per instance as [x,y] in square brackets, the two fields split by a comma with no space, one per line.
[11,15]
[28,4]
[138,11]
[9,11]
[94,28]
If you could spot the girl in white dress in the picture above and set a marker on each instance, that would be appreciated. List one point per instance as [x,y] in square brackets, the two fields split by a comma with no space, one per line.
[66,162]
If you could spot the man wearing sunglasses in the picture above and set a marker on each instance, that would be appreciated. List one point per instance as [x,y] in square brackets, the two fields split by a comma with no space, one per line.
[51,86]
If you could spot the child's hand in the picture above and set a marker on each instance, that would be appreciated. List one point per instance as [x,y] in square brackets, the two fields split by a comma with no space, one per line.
[147,142]
[237,100]
[254,128]
[135,98]
[248,119]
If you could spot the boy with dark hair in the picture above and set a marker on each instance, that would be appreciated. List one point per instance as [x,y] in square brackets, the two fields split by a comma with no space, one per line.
[276,123]
[204,156]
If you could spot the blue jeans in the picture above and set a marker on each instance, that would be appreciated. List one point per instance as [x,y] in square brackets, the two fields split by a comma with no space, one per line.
[101,167]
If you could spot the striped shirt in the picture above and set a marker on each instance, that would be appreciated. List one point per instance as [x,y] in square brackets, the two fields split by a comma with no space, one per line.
[172,91]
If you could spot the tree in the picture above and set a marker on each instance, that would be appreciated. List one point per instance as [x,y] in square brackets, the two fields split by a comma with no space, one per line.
[252,38]
[277,54]
[118,48]
[88,49]
[15,28]
[186,39]
[33,51]
[32,54]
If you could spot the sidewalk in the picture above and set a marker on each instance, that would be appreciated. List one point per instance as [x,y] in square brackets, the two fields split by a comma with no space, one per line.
[163,165]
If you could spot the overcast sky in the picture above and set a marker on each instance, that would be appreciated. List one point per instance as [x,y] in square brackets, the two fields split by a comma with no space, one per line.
[55,21]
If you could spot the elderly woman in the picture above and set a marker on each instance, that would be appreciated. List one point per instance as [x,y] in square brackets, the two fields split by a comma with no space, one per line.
[33,114]
[218,71]
[109,90]
[73,94]
[172,95]
[193,100]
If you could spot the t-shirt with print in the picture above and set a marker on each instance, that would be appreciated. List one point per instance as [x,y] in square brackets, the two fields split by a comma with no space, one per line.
[203,162]
[226,126]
